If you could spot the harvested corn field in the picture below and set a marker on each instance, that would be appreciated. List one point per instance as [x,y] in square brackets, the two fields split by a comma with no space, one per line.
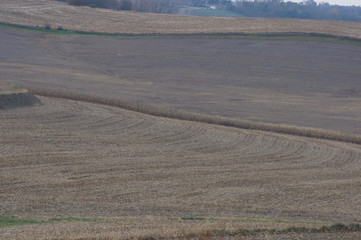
[292,82]
[67,158]
[56,14]
[80,166]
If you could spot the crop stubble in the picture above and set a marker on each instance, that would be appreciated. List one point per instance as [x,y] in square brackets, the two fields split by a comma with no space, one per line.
[310,84]
[76,159]
[68,158]
[42,12]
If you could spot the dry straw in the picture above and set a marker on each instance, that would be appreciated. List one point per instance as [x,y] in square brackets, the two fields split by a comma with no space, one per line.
[201,118]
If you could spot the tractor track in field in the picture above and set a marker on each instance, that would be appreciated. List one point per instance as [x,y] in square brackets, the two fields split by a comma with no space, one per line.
[72,158]
[82,153]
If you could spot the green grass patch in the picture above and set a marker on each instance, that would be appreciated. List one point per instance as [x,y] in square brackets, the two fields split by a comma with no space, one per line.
[339,227]
[49,30]
[10,221]
[250,220]
[287,36]
[222,233]
[77,219]
[6,221]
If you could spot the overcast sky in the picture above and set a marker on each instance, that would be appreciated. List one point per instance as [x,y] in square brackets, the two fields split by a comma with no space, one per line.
[334,2]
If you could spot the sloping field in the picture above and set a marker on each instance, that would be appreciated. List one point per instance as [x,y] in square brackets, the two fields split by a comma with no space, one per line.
[294,82]
[66,158]
[136,176]
[43,12]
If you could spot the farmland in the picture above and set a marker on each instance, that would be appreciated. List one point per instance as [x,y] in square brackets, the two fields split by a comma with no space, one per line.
[257,80]
[89,168]
[56,14]
[67,158]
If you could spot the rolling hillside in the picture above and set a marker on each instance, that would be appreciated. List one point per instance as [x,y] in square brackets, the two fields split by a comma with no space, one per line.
[68,158]
[57,14]
[81,166]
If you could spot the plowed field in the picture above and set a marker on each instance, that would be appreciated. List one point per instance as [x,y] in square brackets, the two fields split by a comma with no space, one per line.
[66,158]
[146,177]
[303,83]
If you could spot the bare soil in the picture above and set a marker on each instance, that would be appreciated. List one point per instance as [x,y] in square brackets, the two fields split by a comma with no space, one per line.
[56,14]
[303,83]
[143,173]
[76,159]
[66,158]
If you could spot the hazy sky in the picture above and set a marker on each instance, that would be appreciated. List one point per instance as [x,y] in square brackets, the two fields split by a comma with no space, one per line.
[335,2]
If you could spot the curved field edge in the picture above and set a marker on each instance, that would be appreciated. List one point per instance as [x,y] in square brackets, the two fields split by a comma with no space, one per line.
[202,118]
[303,36]
[109,114]
[202,227]
[58,14]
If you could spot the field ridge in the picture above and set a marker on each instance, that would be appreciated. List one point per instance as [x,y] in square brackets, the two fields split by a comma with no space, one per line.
[202,118]
[7,222]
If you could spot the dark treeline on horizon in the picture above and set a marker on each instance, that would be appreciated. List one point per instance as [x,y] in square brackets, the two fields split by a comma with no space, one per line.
[155,6]
[308,9]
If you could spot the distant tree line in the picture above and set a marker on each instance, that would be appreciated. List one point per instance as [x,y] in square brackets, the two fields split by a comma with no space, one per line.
[309,9]
[203,3]
[156,6]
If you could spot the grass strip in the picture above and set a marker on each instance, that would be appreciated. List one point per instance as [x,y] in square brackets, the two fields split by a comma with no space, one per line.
[250,220]
[338,227]
[77,219]
[193,218]
[10,221]
[216,234]
[294,36]
[6,221]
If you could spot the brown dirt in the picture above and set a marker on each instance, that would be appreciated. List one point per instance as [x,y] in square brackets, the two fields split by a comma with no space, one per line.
[67,158]
[75,159]
[42,12]
[302,83]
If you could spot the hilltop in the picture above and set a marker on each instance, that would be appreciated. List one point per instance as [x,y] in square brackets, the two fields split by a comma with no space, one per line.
[57,14]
